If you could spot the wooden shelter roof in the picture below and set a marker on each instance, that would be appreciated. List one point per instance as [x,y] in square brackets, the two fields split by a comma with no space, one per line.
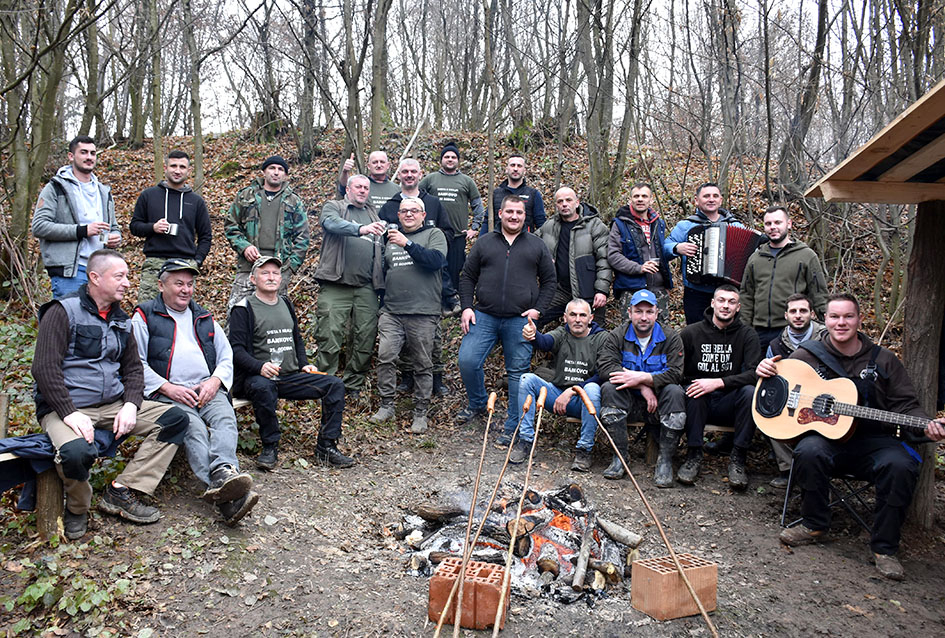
[903,164]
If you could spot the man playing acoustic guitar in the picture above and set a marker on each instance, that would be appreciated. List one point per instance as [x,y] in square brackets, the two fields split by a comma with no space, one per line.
[872,450]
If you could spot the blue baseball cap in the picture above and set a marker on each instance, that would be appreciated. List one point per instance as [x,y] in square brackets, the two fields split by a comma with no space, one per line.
[643,296]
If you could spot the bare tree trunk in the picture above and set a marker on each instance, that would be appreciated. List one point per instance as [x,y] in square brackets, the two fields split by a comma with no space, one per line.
[156,131]
[490,88]
[921,334]
[791,173]
[191,42]
[92,110]
[379,114]
[307,103]
[136,79]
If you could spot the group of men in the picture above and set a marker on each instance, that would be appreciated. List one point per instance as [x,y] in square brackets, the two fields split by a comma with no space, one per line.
[393,262]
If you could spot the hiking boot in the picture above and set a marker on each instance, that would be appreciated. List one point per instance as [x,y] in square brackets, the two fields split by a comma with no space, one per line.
[419,425]
[406,382]
[520,451]
[124,503]
[226,484]
[74,525]
[689,471]
[801,535]
[328,452]
[469,416]
[233,511]
[780,481]
[269,458]
[502,441]
[384,413]
[582,461]
[721,446]
[889,566]
[737,474]
[439,389]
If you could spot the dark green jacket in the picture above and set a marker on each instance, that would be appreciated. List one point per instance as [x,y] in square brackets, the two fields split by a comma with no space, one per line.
[242,226]
[769,280]
[587,256]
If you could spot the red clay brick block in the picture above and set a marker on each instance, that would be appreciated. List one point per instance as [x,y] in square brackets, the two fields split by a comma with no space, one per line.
[481,590]
[658,590]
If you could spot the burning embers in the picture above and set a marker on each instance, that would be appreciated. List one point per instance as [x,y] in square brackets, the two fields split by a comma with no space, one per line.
[562,547]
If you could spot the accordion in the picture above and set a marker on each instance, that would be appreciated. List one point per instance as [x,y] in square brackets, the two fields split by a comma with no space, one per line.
[723,251]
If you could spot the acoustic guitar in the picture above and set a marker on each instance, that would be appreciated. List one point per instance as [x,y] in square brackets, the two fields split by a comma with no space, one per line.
[797,400]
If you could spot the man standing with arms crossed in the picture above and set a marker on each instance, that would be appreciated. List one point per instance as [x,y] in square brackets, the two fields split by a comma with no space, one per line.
[635,251]
[459,196]
[74,217]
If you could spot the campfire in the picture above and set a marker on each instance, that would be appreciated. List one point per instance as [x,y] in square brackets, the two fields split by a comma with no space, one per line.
[563,547]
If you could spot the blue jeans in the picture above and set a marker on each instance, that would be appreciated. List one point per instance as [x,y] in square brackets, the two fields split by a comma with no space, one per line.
[475,348]
[63,286]
[532,384]
[211,435]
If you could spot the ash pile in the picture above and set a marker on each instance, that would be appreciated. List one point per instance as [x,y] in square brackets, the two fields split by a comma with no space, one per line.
[563,549]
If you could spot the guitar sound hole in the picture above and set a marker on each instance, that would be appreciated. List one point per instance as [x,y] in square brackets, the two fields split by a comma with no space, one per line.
[823,407]
[772,397]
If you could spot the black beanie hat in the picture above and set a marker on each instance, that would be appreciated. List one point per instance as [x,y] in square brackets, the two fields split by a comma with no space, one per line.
[449,147]
[276,159]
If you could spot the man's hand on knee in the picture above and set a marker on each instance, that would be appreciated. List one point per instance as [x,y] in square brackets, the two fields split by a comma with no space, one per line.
[125,420]
[81,424]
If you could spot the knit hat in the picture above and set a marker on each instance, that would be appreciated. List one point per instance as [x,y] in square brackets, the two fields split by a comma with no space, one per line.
[276,159]
[449,147]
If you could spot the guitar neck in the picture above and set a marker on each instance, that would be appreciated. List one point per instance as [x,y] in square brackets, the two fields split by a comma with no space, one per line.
[913,423]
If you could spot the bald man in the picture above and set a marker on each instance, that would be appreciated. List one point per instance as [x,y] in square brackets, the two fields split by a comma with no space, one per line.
[577,240]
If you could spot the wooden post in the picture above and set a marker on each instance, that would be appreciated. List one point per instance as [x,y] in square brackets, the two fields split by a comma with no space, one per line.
[921,333]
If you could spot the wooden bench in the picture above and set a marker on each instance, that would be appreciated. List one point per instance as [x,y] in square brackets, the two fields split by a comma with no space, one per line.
[49,493]
[49,496]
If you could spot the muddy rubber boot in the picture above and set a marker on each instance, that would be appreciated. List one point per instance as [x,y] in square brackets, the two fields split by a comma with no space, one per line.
[663,475]
[617,428]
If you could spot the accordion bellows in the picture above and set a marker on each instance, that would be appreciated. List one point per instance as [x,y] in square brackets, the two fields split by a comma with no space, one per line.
[723,251]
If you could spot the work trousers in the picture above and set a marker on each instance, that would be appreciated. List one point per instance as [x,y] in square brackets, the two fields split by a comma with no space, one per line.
[343,309]
[143,472]
[671,399]
[881,459]
[265,393]
[694,304]
[414,337]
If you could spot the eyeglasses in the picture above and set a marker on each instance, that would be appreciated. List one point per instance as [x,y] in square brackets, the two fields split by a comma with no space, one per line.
[410,211]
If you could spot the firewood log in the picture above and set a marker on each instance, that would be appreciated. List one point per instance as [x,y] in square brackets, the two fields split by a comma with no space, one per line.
[619,533]
[580,569]
[436,513]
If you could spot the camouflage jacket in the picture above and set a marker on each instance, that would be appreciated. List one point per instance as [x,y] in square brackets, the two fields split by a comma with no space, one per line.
[241,227]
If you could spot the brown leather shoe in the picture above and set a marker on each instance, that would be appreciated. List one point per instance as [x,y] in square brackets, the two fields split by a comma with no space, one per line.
[889,566]
[800,535]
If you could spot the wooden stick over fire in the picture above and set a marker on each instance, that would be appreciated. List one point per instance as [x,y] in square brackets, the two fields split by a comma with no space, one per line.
[506,581]
[457,618]
[659,526]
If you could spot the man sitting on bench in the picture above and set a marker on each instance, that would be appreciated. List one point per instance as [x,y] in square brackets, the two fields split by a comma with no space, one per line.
[88,375]
[189,363]
[642,361]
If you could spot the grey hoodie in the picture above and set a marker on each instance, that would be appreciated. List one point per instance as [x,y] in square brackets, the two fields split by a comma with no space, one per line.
[60,222]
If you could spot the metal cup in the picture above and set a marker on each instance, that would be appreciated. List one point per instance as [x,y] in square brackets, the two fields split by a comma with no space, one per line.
[103,237]
[171,229]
